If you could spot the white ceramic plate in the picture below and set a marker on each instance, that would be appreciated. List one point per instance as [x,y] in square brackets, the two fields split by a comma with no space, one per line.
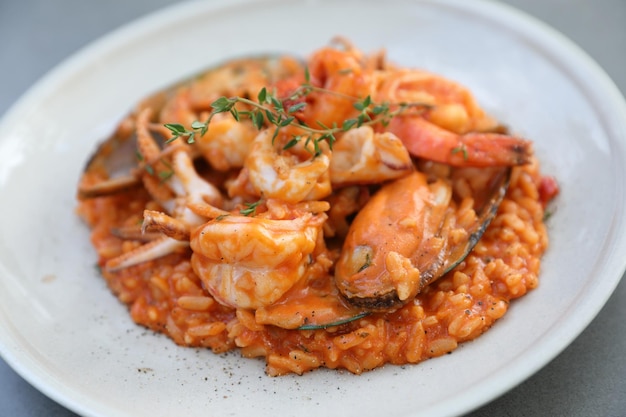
[63,331]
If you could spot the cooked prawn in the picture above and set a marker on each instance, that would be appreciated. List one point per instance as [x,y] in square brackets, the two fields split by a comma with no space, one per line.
[287,175]
[227,143]
[448,126]
[250,262]
[361,156]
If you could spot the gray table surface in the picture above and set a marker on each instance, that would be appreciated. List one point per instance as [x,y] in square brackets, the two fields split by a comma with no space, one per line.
[587,379]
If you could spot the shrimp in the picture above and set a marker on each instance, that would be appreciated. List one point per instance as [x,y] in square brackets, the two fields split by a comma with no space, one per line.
[342,73]
[445,124]
[451,106]
[454,130]
[361,156]
[244,262]
[287,175]
[426,140]
[250,262]
[227,142]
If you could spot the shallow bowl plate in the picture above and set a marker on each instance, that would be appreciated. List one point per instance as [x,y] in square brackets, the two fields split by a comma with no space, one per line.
[63,331]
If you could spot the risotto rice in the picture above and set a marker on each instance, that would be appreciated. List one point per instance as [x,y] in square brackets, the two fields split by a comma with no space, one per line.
[168,295]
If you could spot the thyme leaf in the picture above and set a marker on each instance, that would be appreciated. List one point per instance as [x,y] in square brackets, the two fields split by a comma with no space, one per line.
[463,150]
[250,209]
[333,324]
[367,263]
[549,212]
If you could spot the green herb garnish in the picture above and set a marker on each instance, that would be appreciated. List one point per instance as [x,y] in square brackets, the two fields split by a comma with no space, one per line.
[250,209]
[367,264]
[461,149]
[335,323]
[280,113]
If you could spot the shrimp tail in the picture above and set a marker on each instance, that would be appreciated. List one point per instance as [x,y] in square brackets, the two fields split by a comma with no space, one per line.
[478,149]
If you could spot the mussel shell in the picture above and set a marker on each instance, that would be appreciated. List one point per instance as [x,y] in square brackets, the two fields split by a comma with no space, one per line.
[489,202]
[499,184]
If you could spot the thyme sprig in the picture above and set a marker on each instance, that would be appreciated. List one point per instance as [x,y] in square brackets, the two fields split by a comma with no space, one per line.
[282,112]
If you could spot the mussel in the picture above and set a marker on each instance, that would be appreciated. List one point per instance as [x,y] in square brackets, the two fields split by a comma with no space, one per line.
[404,239]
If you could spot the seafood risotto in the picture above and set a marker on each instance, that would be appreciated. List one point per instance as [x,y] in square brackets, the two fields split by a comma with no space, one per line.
[342,212]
